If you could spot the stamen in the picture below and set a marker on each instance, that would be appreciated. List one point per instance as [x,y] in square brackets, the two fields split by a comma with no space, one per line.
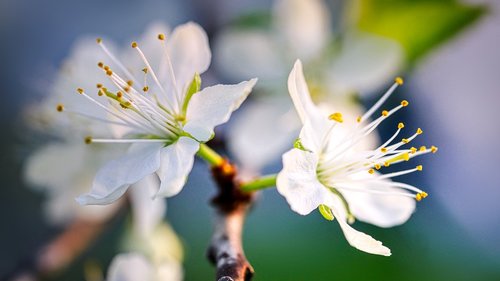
[88,140]
[399,81]
[60,107]
[127,140]
[381,100]
[434,149]
[337,116]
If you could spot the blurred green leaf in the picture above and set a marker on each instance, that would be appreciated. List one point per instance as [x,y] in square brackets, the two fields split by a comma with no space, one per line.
[418,25]
[256,19]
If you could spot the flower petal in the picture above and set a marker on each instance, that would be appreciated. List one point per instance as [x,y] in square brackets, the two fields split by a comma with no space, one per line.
[301,97]
[189,52]
[213,106]
[113,179]
[357,239]
[365,63]
[148,212]
[242,54]
[130,267]
[298,182]
[379,209]
[262,131]
[176,162]
[305,26]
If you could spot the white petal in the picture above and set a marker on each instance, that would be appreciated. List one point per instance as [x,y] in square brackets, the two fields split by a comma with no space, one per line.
[148,212]
[301,97]
[130,267]
[358,239]
[365,63]
[298,182]
[213,106]
[113,179]
[262,131]
[55,165]
[305,26]
[242,54]
[189,52]
[379,209]
[176,162]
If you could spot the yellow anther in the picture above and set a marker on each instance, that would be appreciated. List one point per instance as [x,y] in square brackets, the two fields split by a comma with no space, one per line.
[106,68]
[399,81]
[337,116]
[387,164]
[377,167]
[100,64]
[418,197]
[79,90]
[127,89]
[383,149]
[145,70]
[119,94]
[385,112]
[88,140]
[404,103]
[419,168]
[98,40]
[358,119]
[424,194]
[419,131]
[161,36]
[434,149]
[109,72]
[413,150]
[401,125]
[423,148]
[134,44]
[98,85]
[405,141]
[145,89]
[60,107]
[101,92]
[130,83]
[371,171]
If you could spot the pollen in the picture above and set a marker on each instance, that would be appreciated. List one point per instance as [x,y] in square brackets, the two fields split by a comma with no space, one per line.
[145,70]
[130,83]
[404,103]
[60,107]
[127,89]
[399,81]
[377,166]
[421,195]
[119,95]
[383,149]
[387,164]
[405,141]
[419,131]
[98,85]
[109,72]
[161,36]
[423,148]
[98,40]
[100,64]
[134,44]
[385,112]
[79,90]
[358,119]
[106,67]
[145,89]
[371,171]
[401,125]
[419,168]
[88,140]
[413,150]
[337,116]
[434,149]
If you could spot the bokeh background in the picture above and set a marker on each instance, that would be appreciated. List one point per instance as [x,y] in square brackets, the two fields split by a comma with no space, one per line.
[454,88]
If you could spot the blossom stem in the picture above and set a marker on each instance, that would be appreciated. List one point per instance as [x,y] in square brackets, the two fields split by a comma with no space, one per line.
[260,183]
[210,155]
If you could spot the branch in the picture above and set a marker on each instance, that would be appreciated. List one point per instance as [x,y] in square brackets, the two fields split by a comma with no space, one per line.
[231,204]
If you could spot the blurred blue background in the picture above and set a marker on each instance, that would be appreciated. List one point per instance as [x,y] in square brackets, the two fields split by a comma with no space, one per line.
[454,90]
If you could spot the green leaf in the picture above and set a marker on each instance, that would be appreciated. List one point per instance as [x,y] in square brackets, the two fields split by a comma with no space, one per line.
[256,19]
[418,25]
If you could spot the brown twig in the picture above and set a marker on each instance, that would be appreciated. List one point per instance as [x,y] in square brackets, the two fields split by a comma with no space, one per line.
[231,204]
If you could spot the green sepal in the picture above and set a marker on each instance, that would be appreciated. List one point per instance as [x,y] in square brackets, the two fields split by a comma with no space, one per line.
[298,145]
[193,88]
